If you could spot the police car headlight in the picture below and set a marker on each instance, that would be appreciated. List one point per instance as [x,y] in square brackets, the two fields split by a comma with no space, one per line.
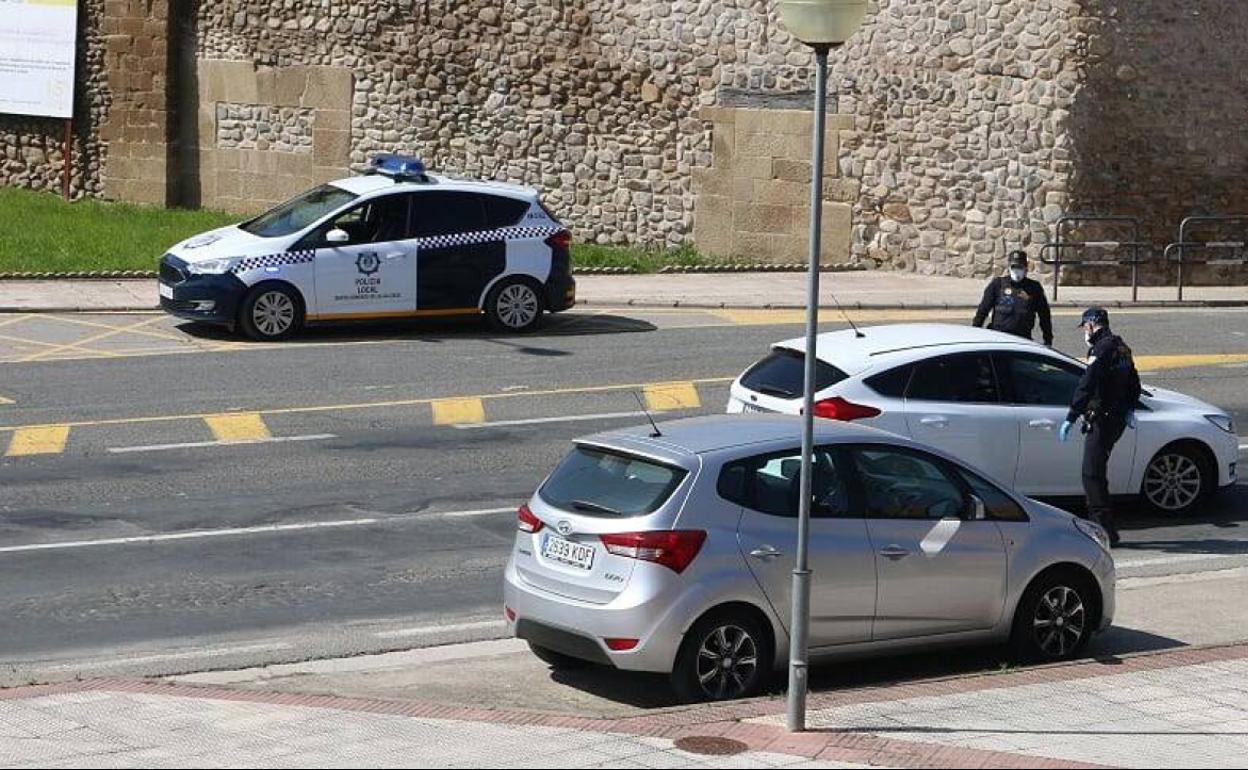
[212,266]
[1222,421]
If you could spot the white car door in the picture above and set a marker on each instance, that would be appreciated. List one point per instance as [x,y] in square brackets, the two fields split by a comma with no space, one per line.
[1040,387]
[953,403]
[373,273]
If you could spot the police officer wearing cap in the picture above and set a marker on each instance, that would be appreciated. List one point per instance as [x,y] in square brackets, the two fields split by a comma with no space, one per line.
[1015,302]
[1105,399]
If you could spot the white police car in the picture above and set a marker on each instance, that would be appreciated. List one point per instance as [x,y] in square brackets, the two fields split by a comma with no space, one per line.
[393,243]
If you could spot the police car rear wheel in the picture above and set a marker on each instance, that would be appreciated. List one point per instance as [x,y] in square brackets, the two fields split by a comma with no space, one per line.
[514,306]
[271,313]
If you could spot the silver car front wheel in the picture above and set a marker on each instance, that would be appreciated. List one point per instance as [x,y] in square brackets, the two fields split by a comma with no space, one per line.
[271,312]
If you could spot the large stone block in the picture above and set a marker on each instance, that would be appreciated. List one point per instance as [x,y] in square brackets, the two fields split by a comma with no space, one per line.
[781,192]
[227,81]
[331,148]
[761,218]
[329,88]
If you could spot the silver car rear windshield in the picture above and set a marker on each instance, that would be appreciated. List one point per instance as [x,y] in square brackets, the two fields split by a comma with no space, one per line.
[296,214]
[597,482]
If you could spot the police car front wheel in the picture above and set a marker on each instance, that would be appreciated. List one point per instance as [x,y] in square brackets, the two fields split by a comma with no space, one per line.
[513,306]
[271,312]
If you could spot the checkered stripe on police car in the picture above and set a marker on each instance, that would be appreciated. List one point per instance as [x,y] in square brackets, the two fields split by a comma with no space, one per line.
[302,256]
[484,236]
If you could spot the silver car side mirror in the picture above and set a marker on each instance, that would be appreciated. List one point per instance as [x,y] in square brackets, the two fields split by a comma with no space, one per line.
[979,511]
[337,235]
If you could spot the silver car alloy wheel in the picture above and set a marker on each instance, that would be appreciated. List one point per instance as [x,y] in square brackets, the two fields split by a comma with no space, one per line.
[727,662]
[1059,621]
[1172,481]
[517,305]
[273,313]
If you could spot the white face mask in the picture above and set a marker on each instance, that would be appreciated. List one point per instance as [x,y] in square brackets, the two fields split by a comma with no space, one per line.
[1018,273]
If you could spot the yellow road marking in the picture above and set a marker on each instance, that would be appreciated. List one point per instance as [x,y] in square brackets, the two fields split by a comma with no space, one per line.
[364,405]
[458,411]
[79,345]
[665,396]
[56,345]
[44,440]
[242,426]
[4,401]
[16,319]
[143,332]
[1153,363]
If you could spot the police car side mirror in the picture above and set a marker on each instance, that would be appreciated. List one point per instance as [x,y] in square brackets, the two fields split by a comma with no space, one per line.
[337,235]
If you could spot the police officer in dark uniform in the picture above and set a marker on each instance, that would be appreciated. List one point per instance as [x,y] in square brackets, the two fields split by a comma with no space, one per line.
[1105,399]
[1015,302]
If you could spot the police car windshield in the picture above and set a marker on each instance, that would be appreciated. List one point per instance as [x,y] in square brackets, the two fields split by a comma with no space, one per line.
[296,214]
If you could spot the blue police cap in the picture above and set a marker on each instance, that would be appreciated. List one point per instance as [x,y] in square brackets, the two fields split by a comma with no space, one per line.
[1094,315]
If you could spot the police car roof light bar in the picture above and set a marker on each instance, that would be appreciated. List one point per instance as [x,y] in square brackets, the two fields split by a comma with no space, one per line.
[401,168]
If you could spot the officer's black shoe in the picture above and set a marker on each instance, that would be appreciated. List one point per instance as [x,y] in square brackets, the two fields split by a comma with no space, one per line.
[1114,538]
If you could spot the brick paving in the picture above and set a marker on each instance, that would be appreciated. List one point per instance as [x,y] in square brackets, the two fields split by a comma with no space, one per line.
[1182,708]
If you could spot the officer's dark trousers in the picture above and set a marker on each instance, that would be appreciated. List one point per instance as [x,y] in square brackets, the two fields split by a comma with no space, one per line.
[1097,446]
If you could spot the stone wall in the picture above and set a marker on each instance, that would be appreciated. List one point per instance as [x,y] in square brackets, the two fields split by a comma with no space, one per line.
[31,148]
[754,200]
[265,133]
[1157,128]
[138,125]
[960,128]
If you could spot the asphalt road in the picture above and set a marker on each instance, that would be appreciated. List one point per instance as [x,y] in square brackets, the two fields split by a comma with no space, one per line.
[145,544]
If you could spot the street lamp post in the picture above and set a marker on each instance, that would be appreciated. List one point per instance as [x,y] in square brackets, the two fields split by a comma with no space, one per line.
[823,25]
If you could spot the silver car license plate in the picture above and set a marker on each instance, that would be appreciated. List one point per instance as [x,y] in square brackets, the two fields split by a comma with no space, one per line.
[566,552]
[165,291]
[753,408]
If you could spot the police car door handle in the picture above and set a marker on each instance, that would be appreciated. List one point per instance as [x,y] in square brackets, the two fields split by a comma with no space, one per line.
[765,553]
[935,422]
[894,552]
[1043,424]
[395,255]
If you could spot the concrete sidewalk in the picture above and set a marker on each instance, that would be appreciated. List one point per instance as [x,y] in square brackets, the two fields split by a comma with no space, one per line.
[1180,708]
[732,290]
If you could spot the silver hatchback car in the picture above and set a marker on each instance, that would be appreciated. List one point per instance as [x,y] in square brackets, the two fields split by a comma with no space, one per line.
[673,552]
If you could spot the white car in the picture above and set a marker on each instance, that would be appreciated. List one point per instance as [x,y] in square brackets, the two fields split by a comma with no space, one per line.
[393,243]
[996,402]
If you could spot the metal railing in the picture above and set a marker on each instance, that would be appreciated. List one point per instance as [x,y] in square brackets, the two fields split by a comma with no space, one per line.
[1133,244]
[1177,252]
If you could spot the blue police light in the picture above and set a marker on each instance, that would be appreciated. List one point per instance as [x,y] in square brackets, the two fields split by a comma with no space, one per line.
[399,167]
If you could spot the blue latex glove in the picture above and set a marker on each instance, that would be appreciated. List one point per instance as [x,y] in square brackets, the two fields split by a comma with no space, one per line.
[1063,432]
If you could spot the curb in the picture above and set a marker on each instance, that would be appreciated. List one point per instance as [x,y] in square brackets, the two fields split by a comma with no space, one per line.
[93,275]
[701,305]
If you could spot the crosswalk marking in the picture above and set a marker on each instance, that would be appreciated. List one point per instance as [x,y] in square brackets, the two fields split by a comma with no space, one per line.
[46,440]
[458,411]
[663,397]
[244,426]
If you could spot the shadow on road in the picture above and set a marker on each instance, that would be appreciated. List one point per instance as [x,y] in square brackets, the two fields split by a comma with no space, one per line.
[433,330]
[650,691]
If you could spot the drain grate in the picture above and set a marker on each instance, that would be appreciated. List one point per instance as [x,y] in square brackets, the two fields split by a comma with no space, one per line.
[712,745]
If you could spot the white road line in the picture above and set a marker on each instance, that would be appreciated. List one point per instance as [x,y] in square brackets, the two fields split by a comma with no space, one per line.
[1127,584]
[243,531]
[198,444]
[188,655]
[480,625]
[1178,559]
[467,514]
[545,420]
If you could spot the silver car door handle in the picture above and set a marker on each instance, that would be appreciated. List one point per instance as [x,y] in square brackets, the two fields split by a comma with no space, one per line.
[395,255]
[894,552]
[766,552]
[1043,424]
[935,422]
